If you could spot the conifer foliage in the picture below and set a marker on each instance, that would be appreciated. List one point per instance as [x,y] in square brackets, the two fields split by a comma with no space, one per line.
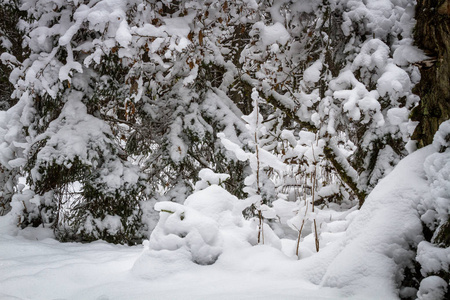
[120,104]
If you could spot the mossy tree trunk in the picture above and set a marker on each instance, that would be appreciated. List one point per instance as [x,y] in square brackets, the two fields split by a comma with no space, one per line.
[432,34]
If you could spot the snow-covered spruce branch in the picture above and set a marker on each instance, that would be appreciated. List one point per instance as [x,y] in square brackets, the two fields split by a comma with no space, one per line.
[341,165]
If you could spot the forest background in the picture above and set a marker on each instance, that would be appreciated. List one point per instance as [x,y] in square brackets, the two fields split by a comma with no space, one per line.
[111,109]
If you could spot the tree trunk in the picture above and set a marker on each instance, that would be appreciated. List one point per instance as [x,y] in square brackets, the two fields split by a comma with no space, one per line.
[432,34]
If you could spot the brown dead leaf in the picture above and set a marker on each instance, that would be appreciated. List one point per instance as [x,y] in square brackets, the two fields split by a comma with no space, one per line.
[200,37]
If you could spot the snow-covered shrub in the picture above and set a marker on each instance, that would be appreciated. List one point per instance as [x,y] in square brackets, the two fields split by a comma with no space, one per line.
[432,258]
[433,254]
[25,209]
[165,77]
[209,221]
[11,50]
[182,227]
[81,181]
[435,208]
[208,178]
[259,186]
[12,143]
[12,137]
[432,288]
[330,67]
[441,140]
[123,63]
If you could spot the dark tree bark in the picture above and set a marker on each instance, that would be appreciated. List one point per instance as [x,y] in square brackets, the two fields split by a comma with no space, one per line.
[432,34]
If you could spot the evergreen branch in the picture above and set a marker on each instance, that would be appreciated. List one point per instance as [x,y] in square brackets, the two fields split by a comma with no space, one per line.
[340,164]
[289,111]
[342,168]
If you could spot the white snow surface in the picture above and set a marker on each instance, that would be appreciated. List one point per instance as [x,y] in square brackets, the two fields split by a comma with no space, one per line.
[361,262]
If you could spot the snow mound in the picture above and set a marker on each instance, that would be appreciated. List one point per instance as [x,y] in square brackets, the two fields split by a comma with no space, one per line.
[372,254]
[196,231]
[378,243]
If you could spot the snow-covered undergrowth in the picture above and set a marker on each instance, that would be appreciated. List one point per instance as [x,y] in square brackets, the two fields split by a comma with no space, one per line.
[202,251]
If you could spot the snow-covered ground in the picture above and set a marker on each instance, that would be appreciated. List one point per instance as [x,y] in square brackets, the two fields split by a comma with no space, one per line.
[360,263]
[46,269]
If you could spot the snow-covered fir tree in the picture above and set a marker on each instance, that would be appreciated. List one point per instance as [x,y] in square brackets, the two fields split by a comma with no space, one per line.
[341,69]
[150,84]
[144,87]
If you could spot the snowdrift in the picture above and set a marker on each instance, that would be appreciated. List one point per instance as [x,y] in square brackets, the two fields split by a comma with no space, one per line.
[364,262]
